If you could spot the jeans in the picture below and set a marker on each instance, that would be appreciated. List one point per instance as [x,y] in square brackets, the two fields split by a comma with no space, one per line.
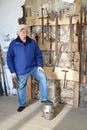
[22,81]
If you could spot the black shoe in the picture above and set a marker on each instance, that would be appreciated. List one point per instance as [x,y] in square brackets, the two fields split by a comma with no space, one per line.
[21,108]
[47,102]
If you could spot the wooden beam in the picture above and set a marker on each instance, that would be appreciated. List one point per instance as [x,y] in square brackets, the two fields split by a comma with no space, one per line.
[36,20]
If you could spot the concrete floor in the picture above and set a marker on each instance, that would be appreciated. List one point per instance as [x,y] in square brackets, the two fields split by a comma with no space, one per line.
[31,118]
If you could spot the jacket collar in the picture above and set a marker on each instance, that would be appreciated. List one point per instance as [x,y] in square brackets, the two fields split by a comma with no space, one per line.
[27,39]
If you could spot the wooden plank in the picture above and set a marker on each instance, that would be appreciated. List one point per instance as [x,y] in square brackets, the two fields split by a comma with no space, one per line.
[76,95]
[28,31]
[59,74]
[26,2]
[29,84]
[28,11]
[78,5]
[29,88]
[33,20]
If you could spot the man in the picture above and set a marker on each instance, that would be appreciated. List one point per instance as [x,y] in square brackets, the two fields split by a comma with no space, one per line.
[24,58]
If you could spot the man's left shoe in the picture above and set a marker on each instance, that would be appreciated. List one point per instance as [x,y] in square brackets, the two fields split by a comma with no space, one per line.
[21,108]
[47,101]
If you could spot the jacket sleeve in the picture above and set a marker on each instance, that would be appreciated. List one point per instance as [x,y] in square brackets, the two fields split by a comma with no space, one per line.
[39,58]
[10,58]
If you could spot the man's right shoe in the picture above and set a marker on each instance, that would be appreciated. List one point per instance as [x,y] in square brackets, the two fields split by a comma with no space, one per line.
[21,108]
[47,101]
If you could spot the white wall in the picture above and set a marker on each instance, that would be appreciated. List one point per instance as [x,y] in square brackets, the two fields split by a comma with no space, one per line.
[10,11]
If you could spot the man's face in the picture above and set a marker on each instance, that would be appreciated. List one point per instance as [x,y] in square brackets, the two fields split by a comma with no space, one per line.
[22,34]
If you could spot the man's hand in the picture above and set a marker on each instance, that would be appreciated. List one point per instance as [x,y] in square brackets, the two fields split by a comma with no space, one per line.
[14,76]
[14,79]
[41,69]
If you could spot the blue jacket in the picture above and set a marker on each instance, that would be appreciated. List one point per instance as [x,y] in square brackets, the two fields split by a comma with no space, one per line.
[22,58]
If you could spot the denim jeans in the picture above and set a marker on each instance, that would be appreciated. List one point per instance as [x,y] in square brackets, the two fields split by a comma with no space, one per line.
[22,81]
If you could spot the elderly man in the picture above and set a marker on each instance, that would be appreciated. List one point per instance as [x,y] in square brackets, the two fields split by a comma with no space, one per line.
[24,58]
